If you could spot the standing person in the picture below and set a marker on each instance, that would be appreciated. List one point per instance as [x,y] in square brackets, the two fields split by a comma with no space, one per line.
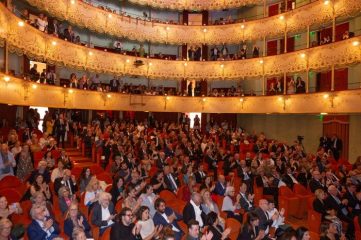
[7,161]
[60,129]
[190,89]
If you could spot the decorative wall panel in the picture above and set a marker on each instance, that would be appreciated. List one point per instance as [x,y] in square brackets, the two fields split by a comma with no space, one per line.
[85,15]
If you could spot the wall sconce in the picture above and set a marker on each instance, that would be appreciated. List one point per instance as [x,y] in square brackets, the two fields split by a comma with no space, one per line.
[330,97]
[166,99]
[283,100]
[105,96]
[6,80]
[21,24]
[242,100]
[203,102]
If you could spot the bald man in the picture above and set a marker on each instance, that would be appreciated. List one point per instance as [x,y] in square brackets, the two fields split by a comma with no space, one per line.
[67,180]
[193,210]
[265,221]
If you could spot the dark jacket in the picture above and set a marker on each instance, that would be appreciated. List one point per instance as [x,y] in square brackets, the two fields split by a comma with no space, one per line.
[96,217]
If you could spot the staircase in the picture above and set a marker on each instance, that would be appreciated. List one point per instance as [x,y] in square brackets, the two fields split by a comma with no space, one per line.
[77,158]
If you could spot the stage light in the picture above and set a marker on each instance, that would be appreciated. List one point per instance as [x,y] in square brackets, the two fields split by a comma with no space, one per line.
[21,24]
[71,91]
[6,78]
[109,96]
[54,43]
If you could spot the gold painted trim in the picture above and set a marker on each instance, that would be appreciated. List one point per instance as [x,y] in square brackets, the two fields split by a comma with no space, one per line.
[196,5]
[20,92]
[95,19]
[41,46]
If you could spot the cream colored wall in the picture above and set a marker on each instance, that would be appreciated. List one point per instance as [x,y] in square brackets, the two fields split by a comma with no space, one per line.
[285,127]
[355,140]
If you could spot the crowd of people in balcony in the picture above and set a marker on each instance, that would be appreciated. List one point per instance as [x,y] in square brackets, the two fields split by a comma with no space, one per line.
[216,173]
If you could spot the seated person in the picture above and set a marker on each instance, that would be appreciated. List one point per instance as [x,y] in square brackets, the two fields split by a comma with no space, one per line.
[7,210]
[103,212]
[42,227]
[76,220]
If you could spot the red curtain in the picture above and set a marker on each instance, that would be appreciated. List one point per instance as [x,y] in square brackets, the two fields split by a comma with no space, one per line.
[273,10]
[341,29]
[272,48]
[290,44]
[341,79]
[338,125]
[324,80]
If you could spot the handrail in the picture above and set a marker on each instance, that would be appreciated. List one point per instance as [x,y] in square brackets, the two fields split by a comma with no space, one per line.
[19,92]
[95,19]
[41,46]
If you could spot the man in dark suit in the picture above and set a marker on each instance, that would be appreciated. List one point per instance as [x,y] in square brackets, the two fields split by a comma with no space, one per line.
[246,199]
[244,172]
[161,161]
[289,178]
[265,221]
[165,216]
[336,147]
[170,180]
[351,197]
[200,174]
[220,187]
[315,183]
[333,201]
[67,180]
[193,210]
[114,84]
[325,142]
[42,227]
[53,28]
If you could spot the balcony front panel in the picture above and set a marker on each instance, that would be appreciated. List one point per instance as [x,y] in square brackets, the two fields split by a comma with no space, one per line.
[85,15]
[196,4]
[21,92]
[40,46]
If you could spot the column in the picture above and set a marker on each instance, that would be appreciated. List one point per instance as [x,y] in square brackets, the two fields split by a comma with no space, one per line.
[333,78]
[6,57]
[284,83]
[308,36]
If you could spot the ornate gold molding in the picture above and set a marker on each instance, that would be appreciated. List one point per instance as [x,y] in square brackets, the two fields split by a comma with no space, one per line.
[85,15]
[41,46]
[18,92]
[196,4]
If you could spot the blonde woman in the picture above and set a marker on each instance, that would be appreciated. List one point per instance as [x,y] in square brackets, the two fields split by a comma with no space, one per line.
[76,220]
[92,191]
[209,205]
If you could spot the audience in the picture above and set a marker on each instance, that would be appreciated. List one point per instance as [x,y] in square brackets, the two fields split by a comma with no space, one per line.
[167,153]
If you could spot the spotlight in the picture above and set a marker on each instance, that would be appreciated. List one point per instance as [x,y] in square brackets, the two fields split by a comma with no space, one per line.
[109,96]
[303,55]
[185,64]
[261,61]
[282,17]
[242,26]
[127,60]
[326,2]
[241,99]
[90,53]
[204,99]
[35,86]
[205,30]
[71,91]
[222,65]
[150,64]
